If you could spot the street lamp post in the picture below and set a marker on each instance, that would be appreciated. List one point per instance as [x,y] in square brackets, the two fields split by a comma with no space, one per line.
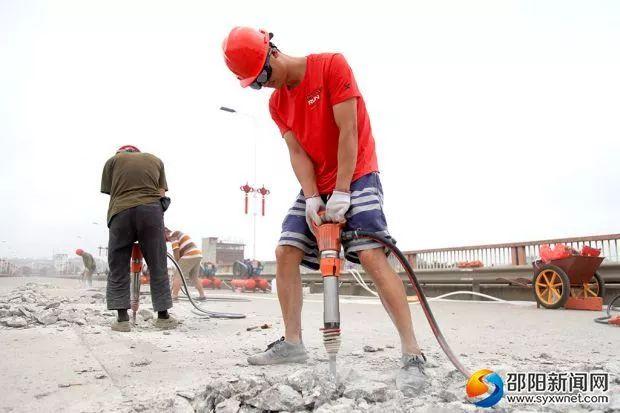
[254,183]
[254,125]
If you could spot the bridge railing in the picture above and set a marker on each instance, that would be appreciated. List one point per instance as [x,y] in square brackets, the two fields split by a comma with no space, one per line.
[510,254]
[491,256]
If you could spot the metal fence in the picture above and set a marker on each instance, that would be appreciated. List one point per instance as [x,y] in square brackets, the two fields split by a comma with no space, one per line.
[490,256]
[496,255]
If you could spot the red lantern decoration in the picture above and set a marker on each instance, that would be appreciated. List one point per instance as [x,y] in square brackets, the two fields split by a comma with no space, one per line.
[247,189]
[264,192]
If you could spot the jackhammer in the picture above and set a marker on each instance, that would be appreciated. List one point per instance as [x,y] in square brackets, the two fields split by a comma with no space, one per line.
[328,240]
[136,270]
[329,236]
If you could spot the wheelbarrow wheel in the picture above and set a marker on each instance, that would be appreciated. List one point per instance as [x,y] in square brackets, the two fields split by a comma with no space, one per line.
[593,288]
[551,286]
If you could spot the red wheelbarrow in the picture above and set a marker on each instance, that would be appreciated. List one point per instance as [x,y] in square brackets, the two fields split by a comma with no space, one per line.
[573,277]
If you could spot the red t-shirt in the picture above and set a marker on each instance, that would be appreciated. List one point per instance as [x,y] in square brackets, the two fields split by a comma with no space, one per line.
[307,111]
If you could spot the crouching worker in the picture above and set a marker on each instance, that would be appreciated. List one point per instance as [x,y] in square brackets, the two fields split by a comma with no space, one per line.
[136,183]
[188,256]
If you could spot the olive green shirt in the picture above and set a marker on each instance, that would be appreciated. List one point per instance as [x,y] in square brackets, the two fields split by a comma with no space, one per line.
[132,179]
[89,261]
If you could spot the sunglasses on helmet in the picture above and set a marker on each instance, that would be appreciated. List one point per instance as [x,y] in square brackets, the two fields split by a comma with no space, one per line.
[264,76]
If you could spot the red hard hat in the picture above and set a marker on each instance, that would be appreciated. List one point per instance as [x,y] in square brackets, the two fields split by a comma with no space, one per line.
[127,148]
[79,251]
[245,52]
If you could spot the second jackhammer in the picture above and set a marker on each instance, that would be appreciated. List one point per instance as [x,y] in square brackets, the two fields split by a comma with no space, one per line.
[136,271]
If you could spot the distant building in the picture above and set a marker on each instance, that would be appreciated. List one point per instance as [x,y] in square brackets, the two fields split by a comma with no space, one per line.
[222,252]
[60,263]
[7,268]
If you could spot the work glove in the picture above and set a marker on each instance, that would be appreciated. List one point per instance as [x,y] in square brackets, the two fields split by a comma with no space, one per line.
[337,205]
[314,204]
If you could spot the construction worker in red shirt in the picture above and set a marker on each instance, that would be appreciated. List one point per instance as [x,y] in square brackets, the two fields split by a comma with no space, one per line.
[322,117]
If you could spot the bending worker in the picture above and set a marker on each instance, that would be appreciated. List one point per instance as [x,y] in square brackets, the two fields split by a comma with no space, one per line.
[323,120]
[89,267]
[188,256]
[136,183]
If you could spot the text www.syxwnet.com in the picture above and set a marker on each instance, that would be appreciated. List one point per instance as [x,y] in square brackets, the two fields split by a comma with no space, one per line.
[544,399]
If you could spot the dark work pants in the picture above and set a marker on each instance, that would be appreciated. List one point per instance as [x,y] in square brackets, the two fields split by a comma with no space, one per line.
[145,224]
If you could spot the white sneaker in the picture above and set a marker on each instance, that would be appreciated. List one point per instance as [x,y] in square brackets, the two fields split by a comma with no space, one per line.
[279,352]
[411,378]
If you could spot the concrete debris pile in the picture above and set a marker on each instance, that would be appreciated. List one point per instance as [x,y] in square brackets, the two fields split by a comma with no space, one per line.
[30,306]
[304,390]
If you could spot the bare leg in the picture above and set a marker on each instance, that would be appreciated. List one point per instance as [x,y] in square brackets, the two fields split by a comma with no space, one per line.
[198,285]
[393,296]
[176,284]
[288,280]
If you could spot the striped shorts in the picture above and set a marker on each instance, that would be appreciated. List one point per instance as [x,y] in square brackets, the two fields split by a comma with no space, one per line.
[365,213]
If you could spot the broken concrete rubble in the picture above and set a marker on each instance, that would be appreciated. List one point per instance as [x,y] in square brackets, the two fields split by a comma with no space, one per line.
[307,389]
[15,322]
[145,314]
[371,349]
[47,317]
[228,406]
[140,362]
[343,405]
[368,390]
[30,306]
[278,398]
[182,405]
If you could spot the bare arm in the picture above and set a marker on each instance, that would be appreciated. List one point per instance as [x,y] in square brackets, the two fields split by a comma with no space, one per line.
[176,251]
[345,115]
[302,165]
[162,192]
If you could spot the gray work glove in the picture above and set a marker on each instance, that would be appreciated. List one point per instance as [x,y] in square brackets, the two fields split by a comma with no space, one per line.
[337,205]
[314,204]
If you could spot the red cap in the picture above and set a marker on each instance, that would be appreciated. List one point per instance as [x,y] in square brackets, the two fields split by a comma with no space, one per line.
[79,251]
[127,148]
[245,52]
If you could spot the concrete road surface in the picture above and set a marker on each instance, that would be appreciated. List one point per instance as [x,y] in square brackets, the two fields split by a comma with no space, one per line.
[89,368]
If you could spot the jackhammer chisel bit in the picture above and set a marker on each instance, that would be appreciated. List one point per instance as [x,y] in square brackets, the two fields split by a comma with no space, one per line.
[136,270]
[328,239]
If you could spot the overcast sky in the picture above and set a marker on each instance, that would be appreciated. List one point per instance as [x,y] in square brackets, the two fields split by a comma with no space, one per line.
[495,121]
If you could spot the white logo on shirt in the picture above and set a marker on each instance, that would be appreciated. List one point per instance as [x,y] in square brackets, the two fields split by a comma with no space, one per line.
[314,97]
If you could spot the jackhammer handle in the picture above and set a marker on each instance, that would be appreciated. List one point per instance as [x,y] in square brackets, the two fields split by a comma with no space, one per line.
[315,227]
